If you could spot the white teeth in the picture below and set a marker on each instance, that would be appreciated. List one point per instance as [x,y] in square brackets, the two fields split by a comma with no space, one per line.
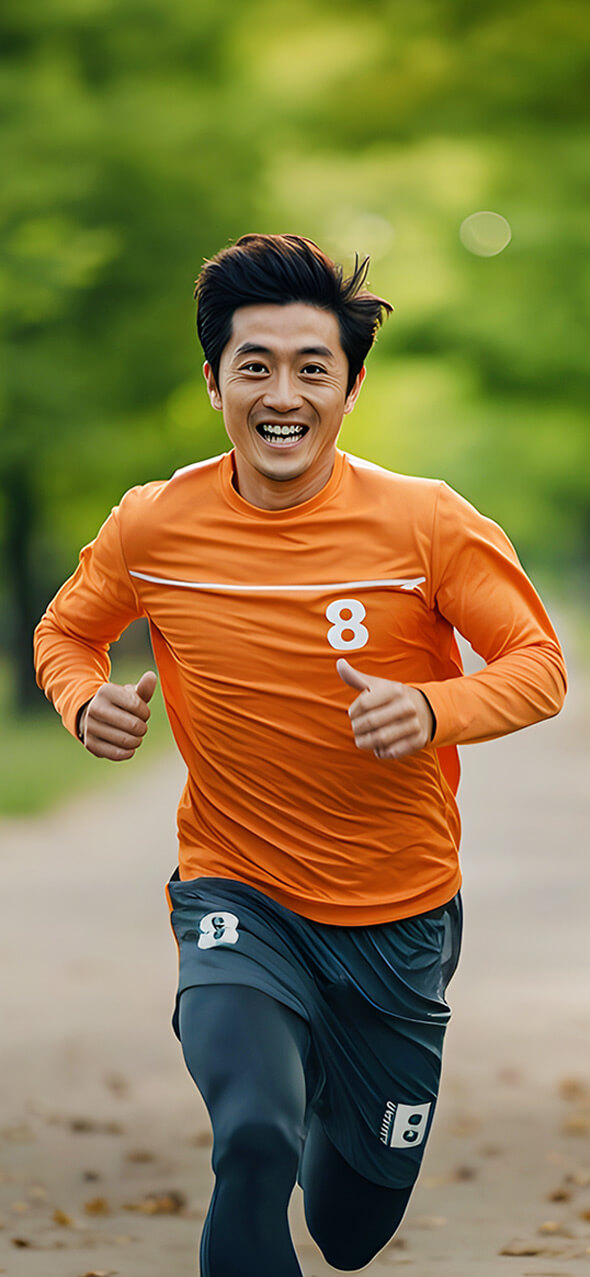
[271,430]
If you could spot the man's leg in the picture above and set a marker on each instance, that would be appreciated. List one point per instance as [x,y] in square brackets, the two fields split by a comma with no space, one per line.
[245,1052]
[348,1216]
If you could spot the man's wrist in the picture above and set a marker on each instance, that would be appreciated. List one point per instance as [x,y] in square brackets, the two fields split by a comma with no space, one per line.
[432,714]
[81,721]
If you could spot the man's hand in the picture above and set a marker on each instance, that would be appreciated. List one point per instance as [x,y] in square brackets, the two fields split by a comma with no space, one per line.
[114,722]
[391,719]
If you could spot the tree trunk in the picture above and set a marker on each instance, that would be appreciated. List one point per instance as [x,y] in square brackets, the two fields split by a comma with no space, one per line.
[20,517]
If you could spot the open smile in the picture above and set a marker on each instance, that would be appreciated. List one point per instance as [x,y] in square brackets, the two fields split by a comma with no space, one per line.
[281,436]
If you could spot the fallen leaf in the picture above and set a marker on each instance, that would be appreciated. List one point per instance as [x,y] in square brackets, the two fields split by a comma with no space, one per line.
[140,1155]
[203,1139]
[20,1207]
[577,1124]
[430,1221]
[21,1242]
[574,1089]
[585,1214]
[90,1176]
[559,1195]
[169,1203]
[552,1226]
[581,1178]
[21,1133]
[550,1252]
[60,1217]
[522,1249]
[88,1125]
[97,1206]
[463,1174]
[100,1272]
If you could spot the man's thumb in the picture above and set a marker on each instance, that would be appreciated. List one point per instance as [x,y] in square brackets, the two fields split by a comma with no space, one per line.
[147,685]
[354,678]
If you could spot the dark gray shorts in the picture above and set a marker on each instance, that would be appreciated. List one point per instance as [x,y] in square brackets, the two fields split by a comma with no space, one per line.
[374,999]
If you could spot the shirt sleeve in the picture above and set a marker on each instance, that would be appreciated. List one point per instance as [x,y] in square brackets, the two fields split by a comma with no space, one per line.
[90,612]
[481,589]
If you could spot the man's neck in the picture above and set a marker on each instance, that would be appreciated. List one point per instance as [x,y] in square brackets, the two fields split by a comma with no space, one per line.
[272,494]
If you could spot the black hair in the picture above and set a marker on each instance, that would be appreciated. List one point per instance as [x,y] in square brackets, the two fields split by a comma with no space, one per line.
[277,270]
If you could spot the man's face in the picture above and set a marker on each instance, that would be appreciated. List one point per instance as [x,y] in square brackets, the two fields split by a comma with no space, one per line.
[282,390]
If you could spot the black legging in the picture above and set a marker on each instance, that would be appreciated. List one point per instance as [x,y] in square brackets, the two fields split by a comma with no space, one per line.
[246,1053]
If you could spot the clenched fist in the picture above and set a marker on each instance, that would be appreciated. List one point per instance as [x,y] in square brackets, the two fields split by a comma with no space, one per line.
[114,723]
[391,719]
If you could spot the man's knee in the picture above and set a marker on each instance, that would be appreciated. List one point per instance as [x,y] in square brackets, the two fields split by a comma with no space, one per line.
[353,1249]
[262,1145]
[351,1236]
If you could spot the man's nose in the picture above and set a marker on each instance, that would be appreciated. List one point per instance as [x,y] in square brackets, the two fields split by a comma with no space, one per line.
[282,393]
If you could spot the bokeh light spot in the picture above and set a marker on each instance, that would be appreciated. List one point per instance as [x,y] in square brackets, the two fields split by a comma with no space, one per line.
[360,231]
[486,234]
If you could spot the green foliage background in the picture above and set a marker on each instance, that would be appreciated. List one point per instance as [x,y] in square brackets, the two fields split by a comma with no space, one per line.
[140,136]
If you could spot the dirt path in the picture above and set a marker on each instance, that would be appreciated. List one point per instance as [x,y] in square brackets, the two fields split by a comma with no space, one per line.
[101,1128]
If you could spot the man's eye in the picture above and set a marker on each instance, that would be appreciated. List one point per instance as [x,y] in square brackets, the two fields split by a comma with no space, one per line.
[255,366]
[312,369]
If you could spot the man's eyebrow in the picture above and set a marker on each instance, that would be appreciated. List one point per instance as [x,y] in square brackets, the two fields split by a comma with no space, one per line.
[323,351]
[251,348]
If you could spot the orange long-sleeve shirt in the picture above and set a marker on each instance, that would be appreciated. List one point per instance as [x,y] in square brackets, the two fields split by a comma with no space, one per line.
[249,610]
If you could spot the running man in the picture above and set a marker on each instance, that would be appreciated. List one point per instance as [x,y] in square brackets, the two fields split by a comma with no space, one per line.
[302,606]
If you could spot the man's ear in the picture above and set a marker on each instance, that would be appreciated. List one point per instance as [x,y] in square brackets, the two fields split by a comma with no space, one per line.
[212,388]
[355,390]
